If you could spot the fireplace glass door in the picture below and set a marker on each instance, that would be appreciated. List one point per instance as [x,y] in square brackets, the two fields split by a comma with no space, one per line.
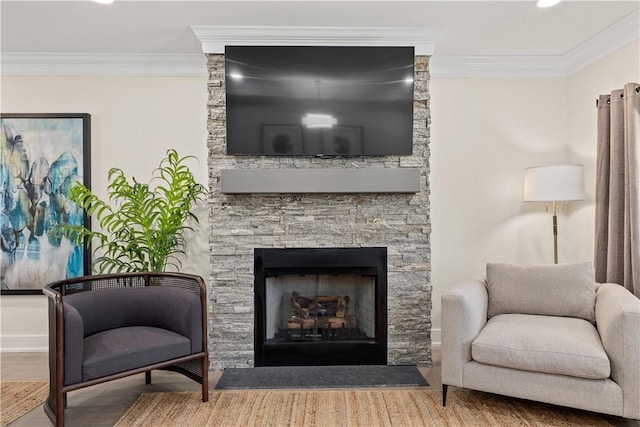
[317,308]
[320,306]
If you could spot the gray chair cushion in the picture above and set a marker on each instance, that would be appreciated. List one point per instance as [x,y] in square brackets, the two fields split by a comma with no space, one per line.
[174,309]
[73,345]
[552,290]
[555,345]
[127,348]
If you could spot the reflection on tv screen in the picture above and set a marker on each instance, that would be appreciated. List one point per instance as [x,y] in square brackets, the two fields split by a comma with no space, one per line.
[319,101]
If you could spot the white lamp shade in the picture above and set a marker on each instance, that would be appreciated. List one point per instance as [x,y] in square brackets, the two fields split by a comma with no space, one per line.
[554,183]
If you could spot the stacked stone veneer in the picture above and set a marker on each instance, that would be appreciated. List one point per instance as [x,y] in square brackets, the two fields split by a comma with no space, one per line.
[240,223]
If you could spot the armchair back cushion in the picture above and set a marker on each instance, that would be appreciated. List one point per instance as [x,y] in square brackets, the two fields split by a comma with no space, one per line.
[567,290]
[169,308]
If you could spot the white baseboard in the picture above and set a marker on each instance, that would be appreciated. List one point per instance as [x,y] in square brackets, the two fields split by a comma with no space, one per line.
[436,336]
[24,343]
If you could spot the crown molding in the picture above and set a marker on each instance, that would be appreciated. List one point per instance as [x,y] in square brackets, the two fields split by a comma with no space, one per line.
[496,67]
[607,41]
[102,64]
[215,38]
[612,38]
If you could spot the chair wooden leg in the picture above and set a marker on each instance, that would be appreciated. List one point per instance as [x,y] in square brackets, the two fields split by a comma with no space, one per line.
[444,394]
[147,377]
[205,380]
[50,408]
[61,403]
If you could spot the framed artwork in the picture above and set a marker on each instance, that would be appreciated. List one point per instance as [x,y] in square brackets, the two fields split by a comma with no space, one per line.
[40,156]
[282,140]
[342,140]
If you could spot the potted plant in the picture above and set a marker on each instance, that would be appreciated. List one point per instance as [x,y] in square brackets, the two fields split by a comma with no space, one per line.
[141,226]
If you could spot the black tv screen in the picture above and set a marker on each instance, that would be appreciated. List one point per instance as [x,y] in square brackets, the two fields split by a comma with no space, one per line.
[319,101]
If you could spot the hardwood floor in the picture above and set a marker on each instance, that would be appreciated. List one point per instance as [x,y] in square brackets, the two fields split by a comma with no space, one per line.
[104,404]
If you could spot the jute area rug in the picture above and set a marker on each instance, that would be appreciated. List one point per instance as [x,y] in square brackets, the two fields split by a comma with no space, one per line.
[19,397]
[366,408]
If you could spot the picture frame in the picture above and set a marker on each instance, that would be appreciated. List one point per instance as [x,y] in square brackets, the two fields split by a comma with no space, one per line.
[282,140]
[40,156]
[342,141]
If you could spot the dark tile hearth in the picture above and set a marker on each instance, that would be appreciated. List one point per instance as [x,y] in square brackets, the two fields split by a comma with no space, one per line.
[321,377]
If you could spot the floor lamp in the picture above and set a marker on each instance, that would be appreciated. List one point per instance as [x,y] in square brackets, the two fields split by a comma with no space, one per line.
[553,184]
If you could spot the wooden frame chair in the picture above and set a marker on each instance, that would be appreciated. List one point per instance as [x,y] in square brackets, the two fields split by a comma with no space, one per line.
[110,326]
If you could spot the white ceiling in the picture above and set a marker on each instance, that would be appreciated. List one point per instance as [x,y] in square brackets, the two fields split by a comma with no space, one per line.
[470,28]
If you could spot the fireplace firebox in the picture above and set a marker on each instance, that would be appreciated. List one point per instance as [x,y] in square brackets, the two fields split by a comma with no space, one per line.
[320,306]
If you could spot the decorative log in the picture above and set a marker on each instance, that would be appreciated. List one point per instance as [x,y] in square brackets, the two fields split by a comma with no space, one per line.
[325,298]
[302,306]
[322,312]
[303,301]
[298,311]
[337,302]
[298,323]
[342,306]
[336,322]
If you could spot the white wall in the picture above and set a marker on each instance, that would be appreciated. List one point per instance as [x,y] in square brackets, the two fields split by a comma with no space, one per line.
[484,133]
[134,121]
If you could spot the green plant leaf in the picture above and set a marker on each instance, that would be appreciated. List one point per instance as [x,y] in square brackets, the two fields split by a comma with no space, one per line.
[142,226]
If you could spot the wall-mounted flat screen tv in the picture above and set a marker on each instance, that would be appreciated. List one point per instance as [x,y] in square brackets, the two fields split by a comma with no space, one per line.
[319,101]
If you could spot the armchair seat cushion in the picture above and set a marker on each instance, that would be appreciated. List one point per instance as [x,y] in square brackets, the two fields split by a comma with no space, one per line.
[550,344]
[126,348]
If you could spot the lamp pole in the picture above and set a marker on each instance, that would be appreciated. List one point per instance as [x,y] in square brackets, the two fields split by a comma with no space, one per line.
[555,233]
[553,184]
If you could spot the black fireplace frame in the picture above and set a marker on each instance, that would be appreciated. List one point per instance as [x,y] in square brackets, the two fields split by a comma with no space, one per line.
[269,262]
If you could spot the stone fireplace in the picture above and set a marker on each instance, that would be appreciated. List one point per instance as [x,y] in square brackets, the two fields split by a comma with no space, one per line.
[242,223]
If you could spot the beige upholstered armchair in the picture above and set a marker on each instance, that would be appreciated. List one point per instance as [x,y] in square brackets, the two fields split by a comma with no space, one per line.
[547,333]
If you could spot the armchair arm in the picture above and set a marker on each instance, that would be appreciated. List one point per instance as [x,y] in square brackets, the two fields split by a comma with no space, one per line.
[66,341]
[618,323]
[464,314]
[73,345]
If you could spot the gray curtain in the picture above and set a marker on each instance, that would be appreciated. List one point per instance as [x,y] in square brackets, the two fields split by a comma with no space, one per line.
[617,239]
